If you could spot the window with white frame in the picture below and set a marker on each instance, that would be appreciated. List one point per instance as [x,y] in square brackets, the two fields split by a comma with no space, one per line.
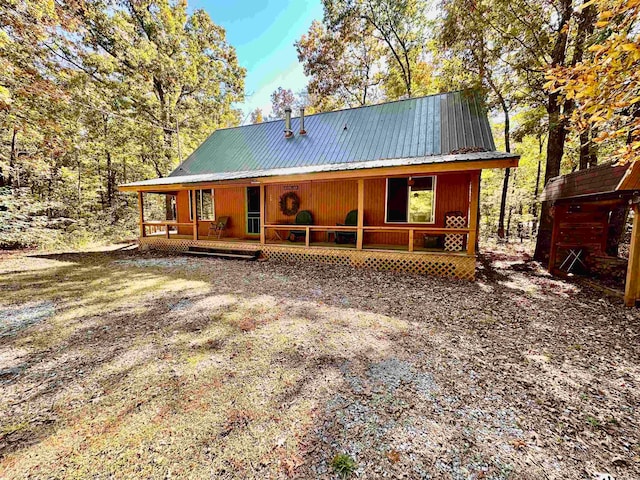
[411,200]
[205,205]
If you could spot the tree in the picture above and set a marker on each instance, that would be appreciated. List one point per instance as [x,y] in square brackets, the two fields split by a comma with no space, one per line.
[167,64]
[344,66]
[94,93]
[481,52]
[280,100]
[606,85]
[256,116]
[399,25]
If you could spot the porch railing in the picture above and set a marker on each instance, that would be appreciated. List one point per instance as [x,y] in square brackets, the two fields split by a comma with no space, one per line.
[378,229]
[162,228]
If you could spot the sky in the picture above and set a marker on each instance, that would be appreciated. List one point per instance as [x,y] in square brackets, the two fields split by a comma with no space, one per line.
[263,33]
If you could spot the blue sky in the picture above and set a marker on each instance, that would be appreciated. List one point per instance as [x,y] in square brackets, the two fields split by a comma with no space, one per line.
[263,32]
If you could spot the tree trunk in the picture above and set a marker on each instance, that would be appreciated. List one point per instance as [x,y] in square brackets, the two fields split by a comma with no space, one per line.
[593,149]
[111,181]
[534,204]
[557,132]
[617,224]
[507,172]
[79,180]
[503,203]
[585,156]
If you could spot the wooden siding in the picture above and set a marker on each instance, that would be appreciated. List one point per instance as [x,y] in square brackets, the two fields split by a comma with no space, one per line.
[329,202]
[228,202]
[452,193]
[232,203]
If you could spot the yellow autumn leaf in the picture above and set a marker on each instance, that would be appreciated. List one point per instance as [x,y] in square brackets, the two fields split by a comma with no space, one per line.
[630,47]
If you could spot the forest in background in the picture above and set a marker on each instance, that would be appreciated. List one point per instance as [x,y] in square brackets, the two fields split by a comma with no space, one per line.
[96,93]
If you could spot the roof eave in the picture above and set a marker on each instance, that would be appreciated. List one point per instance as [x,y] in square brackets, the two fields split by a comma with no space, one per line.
[398,166]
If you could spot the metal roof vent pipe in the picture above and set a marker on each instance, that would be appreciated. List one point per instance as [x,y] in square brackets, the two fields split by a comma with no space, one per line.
[288,133]
[302,130]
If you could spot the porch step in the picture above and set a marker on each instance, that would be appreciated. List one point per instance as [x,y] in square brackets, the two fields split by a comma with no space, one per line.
[224,253]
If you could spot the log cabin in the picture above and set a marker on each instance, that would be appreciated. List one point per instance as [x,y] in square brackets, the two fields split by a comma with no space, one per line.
[390,186]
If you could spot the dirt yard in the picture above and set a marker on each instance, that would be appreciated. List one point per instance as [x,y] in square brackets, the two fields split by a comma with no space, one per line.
[129,365]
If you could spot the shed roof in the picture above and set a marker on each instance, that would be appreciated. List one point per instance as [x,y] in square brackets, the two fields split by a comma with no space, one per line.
[604,179]
[422,127]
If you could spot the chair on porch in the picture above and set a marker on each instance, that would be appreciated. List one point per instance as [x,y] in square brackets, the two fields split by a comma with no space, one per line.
[304,217]
[347,236]
[217,229]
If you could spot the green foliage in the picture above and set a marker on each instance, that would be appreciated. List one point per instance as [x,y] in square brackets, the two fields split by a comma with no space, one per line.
[27,222]
[593,421]
[343,465]
[93,95]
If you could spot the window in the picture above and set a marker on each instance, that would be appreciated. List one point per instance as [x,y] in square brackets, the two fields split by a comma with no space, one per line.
[410,200]
[205,205]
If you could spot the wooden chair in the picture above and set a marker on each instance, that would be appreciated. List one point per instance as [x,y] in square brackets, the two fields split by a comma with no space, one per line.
[347,236]
[217,229]
[304,217]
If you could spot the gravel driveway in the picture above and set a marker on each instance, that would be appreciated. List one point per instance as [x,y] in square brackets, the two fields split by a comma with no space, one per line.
[155,365]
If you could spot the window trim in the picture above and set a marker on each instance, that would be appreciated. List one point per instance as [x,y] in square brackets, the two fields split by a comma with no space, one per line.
[407,222]
[213,204]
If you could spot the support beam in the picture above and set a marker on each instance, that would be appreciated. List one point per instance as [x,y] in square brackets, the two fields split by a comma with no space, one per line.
[360,232]
[474,201]
[632,284]
[411,240]
[194,213]
[141,211]
[262,214]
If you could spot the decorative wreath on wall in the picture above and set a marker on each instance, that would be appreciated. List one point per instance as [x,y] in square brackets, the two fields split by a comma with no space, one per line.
[289,203]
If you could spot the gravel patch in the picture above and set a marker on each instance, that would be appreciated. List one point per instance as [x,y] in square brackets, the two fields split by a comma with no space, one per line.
[170,262]
[13,319]
[515,376]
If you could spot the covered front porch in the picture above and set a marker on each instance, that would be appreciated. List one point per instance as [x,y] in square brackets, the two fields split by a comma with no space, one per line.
[423,222]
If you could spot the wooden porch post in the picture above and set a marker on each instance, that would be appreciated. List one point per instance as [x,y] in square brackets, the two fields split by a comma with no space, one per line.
[474,201]
[633,266]
[141,211]
[194,212]
[262,214]
[360,232]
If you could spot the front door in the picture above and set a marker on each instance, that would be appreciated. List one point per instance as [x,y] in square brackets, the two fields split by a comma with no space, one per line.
[253,210]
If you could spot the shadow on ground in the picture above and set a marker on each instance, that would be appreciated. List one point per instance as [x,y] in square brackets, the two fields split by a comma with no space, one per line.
[150,365]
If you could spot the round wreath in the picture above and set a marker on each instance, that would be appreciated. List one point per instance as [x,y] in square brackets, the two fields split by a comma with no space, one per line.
[289,203]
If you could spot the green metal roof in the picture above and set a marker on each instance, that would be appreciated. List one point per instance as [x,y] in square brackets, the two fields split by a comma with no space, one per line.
[434,125]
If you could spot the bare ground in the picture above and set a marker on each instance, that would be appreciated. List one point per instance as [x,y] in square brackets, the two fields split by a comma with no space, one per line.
[129,365]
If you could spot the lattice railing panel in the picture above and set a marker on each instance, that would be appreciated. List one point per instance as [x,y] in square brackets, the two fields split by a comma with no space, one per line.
[436,264]
[454,242]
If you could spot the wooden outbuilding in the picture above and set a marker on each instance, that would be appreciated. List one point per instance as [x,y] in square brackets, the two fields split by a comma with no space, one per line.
[583,206]
[388,186]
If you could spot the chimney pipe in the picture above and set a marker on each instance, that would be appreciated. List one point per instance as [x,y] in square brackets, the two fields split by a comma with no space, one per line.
[302,130]
[288,133]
